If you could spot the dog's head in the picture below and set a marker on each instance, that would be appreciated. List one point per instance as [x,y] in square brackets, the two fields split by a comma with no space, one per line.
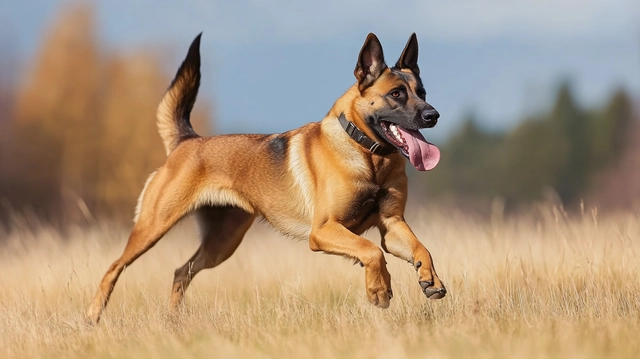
[393,103]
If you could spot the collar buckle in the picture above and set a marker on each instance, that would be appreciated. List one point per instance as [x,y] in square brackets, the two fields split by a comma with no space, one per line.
[350,128]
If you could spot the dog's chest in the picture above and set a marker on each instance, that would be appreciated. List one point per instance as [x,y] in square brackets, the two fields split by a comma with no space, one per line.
[363,206]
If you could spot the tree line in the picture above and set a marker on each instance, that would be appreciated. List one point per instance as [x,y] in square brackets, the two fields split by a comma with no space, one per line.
[563,152]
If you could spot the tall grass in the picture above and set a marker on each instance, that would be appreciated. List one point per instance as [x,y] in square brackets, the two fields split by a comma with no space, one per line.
[542,285]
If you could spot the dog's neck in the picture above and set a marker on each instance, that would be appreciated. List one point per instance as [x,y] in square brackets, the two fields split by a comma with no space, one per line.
[354,124]
[347,105]
[363,140]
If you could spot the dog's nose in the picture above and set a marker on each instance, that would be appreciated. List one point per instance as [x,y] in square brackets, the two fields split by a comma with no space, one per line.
[430,117]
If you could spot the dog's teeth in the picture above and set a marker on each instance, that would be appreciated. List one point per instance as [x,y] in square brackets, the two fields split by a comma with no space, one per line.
[393,128]
[396,133]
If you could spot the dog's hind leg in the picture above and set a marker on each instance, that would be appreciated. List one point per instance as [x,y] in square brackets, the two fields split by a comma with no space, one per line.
[222,230]
[165,201]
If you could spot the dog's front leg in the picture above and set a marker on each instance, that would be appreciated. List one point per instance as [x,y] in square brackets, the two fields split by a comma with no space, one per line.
[332,237]
[399,240]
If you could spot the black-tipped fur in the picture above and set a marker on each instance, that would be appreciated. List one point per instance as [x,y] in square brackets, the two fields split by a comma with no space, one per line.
[174,111]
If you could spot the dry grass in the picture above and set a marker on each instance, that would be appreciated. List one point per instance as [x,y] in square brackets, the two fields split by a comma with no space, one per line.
[541,286]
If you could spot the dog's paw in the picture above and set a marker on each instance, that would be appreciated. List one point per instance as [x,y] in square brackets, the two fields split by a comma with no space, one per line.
[380,298]
[91,317]
[431,285]
[88,323]
[378,282]
[431,291]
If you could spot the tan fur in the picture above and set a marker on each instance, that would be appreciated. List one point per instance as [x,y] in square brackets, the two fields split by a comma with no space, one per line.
[314,183]
[165,123]
[164,116]
[144,189]
[298,168]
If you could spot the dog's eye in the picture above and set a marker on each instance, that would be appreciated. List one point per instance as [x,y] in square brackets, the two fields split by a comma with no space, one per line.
[395,93]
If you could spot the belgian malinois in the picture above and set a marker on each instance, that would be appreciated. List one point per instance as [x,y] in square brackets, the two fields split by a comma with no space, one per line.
[327,181]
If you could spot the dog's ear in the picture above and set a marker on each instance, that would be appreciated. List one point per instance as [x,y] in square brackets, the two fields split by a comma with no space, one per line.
[370,62]
[409,57]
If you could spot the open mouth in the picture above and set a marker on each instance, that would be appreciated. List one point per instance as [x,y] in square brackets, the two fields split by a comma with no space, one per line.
[423,155]
[390,130]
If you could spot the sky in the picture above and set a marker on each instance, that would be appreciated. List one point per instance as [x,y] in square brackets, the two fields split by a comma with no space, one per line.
[269,66]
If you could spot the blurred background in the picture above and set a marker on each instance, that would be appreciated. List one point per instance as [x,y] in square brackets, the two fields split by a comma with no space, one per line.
[539,100]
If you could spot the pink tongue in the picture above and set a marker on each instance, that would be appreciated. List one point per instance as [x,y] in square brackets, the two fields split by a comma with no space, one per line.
[423,155]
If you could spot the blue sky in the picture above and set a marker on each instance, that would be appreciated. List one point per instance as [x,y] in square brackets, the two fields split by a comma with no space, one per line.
[273,65]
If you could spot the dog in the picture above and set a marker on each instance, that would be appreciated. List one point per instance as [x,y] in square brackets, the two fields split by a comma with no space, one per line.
[325,182]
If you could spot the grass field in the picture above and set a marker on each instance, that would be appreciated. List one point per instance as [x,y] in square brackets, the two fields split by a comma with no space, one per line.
[535,286]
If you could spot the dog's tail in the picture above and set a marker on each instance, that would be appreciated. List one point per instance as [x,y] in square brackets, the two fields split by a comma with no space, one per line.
[173,113]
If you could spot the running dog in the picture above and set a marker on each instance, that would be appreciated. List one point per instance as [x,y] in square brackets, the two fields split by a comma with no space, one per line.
[325,182]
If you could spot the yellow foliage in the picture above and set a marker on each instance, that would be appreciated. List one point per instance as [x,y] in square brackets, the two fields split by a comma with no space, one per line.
[84,125]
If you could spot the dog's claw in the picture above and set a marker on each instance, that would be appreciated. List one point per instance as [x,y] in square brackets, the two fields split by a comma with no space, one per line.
[432,293]
[426,284]
[438,293]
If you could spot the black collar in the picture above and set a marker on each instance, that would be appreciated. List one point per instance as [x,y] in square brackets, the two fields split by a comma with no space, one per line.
[364,141]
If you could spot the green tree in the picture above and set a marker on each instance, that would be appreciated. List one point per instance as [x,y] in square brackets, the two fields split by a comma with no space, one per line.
[535,153]
[571,123]
[470,163]
[609,127]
